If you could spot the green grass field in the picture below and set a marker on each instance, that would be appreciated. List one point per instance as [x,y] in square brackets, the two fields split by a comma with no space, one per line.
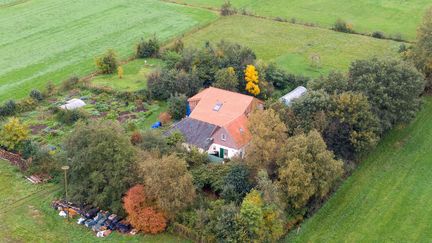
[50,40]
[26,215]
[388,198]
[392,17]
[134,78]
[292,46]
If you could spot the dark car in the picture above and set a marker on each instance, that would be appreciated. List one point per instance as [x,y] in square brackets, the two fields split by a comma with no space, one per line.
[91,213]
[123,227]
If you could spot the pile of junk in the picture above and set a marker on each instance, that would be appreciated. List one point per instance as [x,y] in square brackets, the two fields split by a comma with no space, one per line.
[103,223]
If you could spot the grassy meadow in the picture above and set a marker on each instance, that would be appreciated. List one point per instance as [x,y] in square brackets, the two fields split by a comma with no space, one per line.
[293,46]
[388,198]
[134,77]
[50,40]
[26,215]
[390,16]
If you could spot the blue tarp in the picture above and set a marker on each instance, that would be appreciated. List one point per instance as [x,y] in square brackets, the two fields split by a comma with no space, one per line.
[188,110]
[156,125]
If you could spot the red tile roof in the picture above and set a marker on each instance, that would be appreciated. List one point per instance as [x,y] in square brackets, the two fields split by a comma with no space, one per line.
[225,109]
[233,105]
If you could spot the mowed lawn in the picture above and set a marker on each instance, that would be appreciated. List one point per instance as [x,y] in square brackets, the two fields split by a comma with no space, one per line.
[388,198]
[393,17]
[50,40]
[293,46]
[26,215]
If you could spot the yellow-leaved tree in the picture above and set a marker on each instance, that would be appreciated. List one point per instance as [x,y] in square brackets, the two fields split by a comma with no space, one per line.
[13,133]
[120,72]
[252,80]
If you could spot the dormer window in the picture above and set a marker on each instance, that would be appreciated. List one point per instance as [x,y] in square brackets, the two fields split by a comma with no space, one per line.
[218,106]
[223,137]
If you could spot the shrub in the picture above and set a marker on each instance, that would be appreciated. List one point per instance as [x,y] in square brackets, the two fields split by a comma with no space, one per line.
[227,9]
[9,108]
[13,134]
[171,58]
[43,162]
[49,89]
[136,138]
[36,95]
[342,26]
[378,35]
[164,118]
[29,149]
[69,117]
[178,46]
[107,63]
[149,48]
[70,83]
[177,106]
[27,104]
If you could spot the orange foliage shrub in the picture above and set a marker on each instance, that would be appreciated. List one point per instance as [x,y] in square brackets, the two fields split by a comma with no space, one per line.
[136,138]
[164,118]
[141,215]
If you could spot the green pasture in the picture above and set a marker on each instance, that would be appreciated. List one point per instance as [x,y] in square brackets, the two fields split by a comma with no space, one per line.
[50,40]
[294,47]
[388,198]
[393,17]
[26,215]
[134,77]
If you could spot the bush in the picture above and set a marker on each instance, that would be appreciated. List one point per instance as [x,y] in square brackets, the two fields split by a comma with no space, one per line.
[227,9]
[342,26]
[177,106]
[378,35]
[136,138]
[171,58]
[43,162]
[149,48]
[27,104]
[107,63]
[70,83]
[164,118]
[8,109]
[13,133]
[69,117]
[36,95]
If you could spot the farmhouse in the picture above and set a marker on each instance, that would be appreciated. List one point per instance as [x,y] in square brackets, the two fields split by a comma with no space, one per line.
[218,122]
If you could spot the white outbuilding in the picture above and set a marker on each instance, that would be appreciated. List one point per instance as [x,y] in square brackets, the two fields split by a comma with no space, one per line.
[73,104]
[295,94]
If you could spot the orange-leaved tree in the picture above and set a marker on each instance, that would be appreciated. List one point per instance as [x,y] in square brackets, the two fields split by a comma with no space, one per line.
[141,214]
[252,80]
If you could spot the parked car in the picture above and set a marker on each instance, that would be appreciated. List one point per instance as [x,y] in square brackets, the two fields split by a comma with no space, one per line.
[90,222]
[101,221]
[91,213]
[123,226]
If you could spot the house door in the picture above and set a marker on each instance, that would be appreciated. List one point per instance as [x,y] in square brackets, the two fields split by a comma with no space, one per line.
[221,153]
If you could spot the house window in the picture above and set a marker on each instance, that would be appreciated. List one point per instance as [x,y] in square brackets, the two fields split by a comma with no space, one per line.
[218,106]
[223,137]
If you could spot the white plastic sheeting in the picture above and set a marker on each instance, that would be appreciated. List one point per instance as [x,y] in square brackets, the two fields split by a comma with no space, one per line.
[73,104]
[295,94]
